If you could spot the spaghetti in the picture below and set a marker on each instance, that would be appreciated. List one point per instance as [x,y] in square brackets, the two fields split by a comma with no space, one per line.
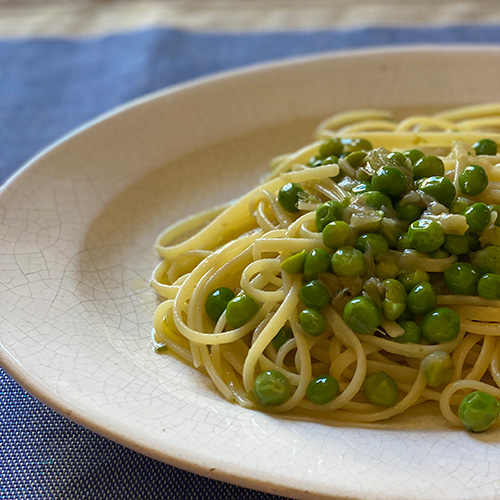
[403,311]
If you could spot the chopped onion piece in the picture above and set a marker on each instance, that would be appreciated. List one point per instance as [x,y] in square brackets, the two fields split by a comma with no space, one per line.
[416,260]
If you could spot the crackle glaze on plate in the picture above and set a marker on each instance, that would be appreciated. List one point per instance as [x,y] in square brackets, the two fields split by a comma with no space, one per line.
[78,225]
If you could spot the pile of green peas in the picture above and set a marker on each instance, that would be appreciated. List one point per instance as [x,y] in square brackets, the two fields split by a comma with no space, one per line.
[407,296]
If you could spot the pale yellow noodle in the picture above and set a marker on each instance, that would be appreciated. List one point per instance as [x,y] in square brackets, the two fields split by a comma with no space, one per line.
[423,123]
[279,319]
[411,140]
[408,400]
[460,353]
[495,364]
[484,359]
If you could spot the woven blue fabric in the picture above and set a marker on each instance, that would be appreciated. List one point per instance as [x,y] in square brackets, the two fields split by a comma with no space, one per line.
[49,86]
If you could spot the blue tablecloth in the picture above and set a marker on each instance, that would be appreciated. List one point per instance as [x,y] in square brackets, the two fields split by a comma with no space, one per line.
[50,85]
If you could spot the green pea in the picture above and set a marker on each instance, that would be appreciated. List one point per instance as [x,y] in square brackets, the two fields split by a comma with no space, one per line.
[440,325]
[330,160]
[425,235]
[422,298]
[473,180]
[331,147]
[323,389]
[474,243]
[372,243]
[413,277]
[317,262]
[348,261]
[478,216]
[487,259]
[428,166]
[439,253]
[459,205]
[362,175]
[314,294]
[362,187]
[496,208]
[312,321]
[272,388]
[390,181]
[462,278]
[438,368]
[411,335]
[294,263]
[351,145]
[381,389]
[440,188]
[386,268]
[485,147]
[394,300]
[314,161]
[456,244]
[414,155]
[240,310]
[289,196]
[336,234]
[284,335]
[362,315]
[407,316]
[355,158]
[328,212]
[488,286]
[217,301]
[410,211]
[397,158]
[390,230]
[376,200]
[478,411]
[403,243]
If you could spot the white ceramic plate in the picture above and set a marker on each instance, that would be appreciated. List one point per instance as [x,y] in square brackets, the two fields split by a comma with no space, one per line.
[78,225]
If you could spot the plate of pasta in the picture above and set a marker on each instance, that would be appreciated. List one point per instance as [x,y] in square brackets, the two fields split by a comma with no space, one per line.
[276,277]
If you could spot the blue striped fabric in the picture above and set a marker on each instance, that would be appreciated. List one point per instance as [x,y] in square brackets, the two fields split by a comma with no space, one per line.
[48,86]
